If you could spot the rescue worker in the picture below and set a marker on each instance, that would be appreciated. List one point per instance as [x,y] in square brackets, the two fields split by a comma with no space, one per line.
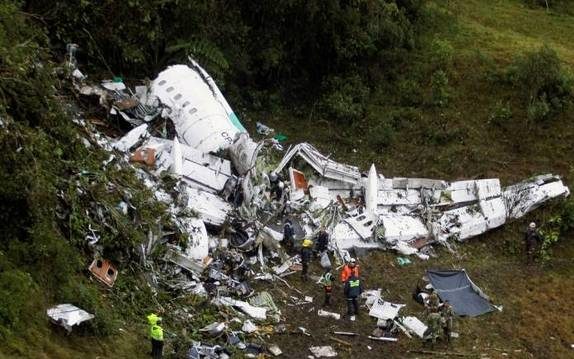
[353,290]
[531,239]
[351,268]
[322,240]
[327,281]
[306,253]
[447,317]
[288,234]
[156,335]
[434,328]
[433,302]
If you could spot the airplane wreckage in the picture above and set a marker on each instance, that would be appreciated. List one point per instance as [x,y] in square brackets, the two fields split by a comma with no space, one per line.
[228,180]
[230,197]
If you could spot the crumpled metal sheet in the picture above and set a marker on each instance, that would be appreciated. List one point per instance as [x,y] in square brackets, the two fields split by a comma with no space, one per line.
[321,163]
[528,195]
[68,315]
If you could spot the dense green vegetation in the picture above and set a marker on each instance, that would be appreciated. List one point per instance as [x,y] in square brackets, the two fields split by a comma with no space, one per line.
[421,88]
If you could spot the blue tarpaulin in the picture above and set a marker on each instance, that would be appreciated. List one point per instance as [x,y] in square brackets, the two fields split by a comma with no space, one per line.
[464,296]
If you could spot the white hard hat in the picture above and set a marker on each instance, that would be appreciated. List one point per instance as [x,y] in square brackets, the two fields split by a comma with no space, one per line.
[532,225]
[281,184]
[352,260]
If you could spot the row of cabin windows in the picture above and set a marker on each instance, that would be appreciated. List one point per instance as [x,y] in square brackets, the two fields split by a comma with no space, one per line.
[178,97]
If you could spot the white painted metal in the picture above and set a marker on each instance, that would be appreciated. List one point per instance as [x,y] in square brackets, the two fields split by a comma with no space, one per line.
[200,113]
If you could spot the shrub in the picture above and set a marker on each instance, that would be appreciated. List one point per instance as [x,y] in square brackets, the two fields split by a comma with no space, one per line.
[500,114]
[555,228]
[345,98]
[441,54]
[17,293]
[542,82]
[410,92]
[538,109]
[440,90]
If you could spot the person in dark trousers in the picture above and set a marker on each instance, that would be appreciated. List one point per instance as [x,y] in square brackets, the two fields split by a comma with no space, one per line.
[288,234]
[327,281]
[306,253]
[531,239]
[353,290]
[156,336]
[322,241]
[447,318]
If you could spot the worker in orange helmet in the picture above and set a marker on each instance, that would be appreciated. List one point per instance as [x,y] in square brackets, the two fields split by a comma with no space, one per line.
[350,269]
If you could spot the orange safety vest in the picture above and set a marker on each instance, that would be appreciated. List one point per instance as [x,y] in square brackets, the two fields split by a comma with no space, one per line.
[348,271]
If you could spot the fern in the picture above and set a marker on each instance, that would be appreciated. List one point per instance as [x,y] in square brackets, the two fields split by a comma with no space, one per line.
[202,50]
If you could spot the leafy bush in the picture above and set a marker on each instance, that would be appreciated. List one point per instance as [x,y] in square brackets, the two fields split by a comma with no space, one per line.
[440,90]
[17,293]
[556,227]
[345,98]
[410,92]
[501,114]
[544,84]
[441,54]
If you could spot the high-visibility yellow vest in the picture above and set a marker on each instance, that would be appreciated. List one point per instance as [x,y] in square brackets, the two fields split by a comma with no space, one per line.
[156,333]
[152,319]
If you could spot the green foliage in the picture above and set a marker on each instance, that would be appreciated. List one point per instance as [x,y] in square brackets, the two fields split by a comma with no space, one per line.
[410,92]
[17,304]
[441,54]
[282,44]
[345,98]
[500,114]
[85,295]
[440,90]
[204,51]
[544,84]
[538,109]
[555,228]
